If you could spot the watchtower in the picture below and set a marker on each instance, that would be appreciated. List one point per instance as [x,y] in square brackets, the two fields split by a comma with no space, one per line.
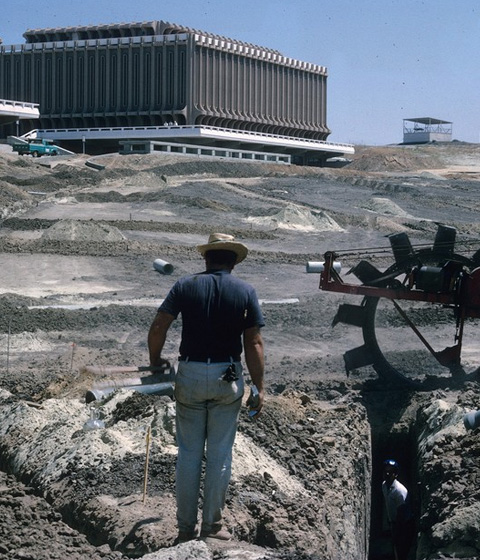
[425,129]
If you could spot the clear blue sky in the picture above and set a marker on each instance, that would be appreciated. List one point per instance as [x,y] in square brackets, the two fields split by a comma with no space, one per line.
[387,59]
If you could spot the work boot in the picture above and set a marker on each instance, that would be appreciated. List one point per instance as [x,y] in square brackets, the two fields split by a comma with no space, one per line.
[216,533]
[185,536]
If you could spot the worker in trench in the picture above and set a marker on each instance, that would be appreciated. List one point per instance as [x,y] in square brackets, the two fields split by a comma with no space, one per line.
[399,512]
[221,317]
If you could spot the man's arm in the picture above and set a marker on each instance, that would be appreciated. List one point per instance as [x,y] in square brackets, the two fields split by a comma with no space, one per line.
[254,358]
[157,336]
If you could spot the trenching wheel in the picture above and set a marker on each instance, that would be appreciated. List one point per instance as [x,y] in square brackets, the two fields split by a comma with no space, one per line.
[424,321]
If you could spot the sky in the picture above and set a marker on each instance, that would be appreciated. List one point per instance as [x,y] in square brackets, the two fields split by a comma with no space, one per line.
[387,60]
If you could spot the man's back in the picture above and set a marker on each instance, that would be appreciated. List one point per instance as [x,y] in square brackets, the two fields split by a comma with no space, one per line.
[216,308]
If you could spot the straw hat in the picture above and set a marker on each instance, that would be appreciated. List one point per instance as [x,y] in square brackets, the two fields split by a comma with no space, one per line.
[225,242]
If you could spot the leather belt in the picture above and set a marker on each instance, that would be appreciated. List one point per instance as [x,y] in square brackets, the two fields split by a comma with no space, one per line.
[214,360]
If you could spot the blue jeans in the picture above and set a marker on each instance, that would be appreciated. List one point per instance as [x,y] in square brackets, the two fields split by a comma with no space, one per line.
[207,409]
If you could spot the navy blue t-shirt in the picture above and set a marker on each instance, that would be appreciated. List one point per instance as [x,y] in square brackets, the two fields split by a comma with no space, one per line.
[216,308]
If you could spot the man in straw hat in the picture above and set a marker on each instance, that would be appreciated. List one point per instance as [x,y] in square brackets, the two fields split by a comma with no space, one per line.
[220,317]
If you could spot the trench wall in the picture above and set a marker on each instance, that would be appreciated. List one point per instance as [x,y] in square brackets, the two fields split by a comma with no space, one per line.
[448,481]
[439,465]
[300,483]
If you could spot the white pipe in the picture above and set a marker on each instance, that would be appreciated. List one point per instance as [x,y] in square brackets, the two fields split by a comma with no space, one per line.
[153,388]
[131,381]
[162,266]
[117,370]
[313,266]
[472,420]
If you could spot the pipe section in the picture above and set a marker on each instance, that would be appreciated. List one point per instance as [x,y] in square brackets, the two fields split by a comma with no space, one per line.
[471,420]
[313,266]
[150,389]
[117,370]
[162,266]
[132,381]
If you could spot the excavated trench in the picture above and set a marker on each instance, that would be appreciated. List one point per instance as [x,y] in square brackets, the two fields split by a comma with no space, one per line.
[301,489]
[426,434]
[394,436]
[294,487]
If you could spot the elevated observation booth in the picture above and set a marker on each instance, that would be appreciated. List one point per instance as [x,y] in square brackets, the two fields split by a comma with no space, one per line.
[425,129]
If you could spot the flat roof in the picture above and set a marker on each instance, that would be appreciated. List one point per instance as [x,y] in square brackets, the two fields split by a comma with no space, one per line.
[11,111]
[428,120]
[204,135]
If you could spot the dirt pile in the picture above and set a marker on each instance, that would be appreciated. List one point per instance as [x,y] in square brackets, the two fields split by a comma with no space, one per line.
[273,501]
[386,207]
[73,230]
[387,159]
[12,200]
[30,525]
[293,217]
[449,459]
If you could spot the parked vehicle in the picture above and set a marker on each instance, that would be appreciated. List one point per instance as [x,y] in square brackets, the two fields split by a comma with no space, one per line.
[36,148]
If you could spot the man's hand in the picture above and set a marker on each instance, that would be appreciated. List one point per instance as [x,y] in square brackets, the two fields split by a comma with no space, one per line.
[254,357]
[254,403]
[156,338]
[161,363]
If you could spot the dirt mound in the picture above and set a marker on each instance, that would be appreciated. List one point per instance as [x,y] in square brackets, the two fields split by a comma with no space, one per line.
[385,206]
[272,501]
[13,199]
[294,217]
[31,536]
[73,230]
[388,159]
[178,166]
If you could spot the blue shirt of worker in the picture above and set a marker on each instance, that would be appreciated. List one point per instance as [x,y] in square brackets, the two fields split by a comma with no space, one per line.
[216,308]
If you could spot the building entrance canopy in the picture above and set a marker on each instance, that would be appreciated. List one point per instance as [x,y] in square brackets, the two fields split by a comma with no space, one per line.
[11,111]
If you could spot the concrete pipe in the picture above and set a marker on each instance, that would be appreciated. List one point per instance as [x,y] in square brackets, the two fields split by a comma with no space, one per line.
[151,389]
[313,266]
[162,266]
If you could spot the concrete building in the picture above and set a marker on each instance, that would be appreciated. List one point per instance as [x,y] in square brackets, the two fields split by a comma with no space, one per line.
[157,74]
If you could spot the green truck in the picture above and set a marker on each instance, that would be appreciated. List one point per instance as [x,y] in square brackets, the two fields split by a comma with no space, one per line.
[36,148]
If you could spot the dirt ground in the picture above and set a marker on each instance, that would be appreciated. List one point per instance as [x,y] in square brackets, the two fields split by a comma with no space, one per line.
[79,290]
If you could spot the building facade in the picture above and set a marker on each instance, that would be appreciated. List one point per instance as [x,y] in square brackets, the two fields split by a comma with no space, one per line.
[156,73]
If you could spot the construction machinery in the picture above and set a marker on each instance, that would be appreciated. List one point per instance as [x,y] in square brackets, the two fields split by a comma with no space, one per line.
[427,288]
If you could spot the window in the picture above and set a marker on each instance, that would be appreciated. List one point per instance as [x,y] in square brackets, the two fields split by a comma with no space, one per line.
[91,83]
[113,82]
[147,80]
[59,84]
[136,80]
[69,84]
[102,83]
[80,83]
[48,85]
[124,79]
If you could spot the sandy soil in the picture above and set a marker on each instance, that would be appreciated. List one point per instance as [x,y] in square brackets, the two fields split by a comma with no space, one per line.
[79,289]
